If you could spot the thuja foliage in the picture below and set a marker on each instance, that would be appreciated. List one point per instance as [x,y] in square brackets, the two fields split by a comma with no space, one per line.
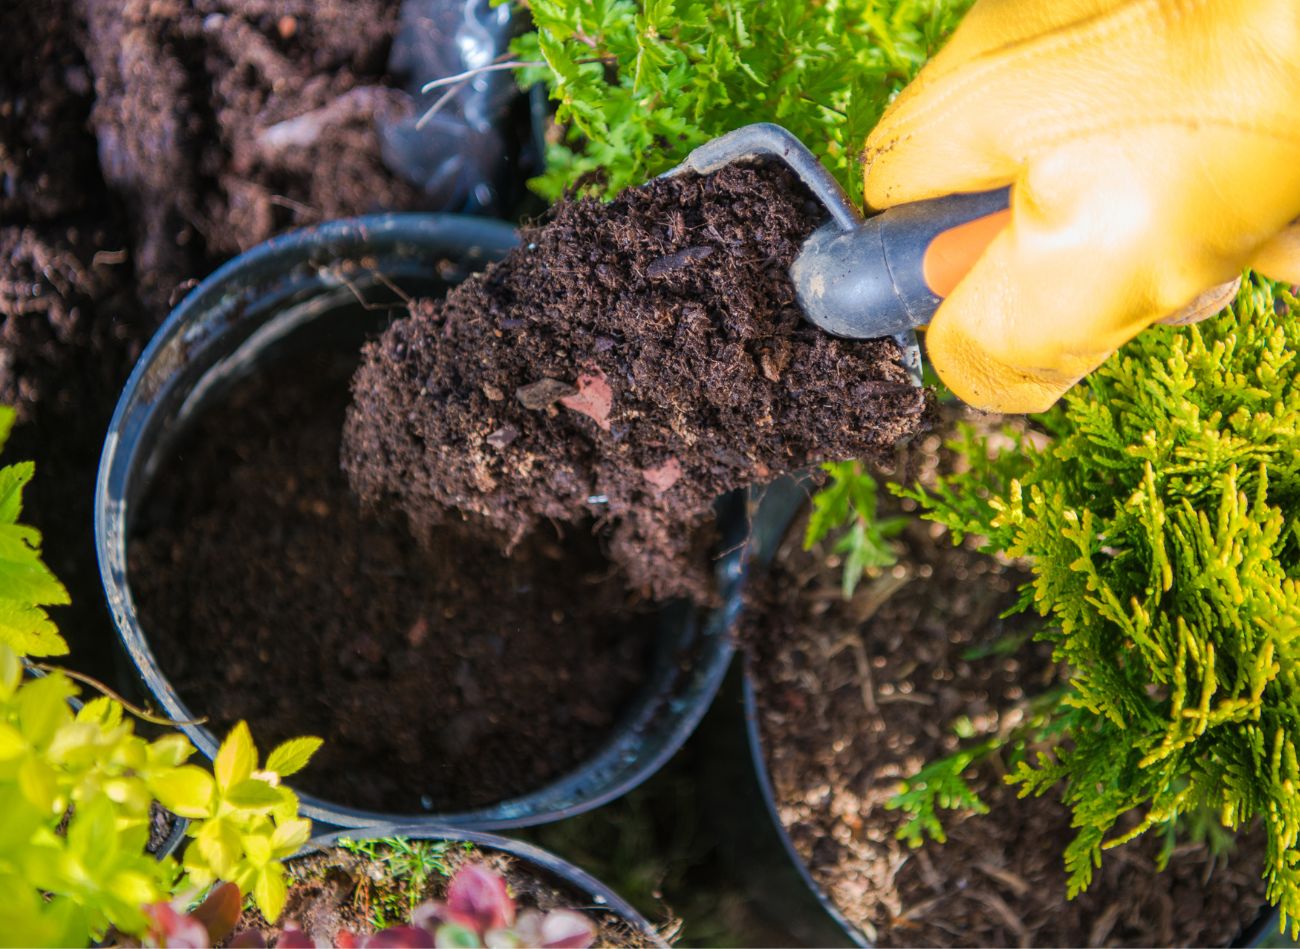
[846,507]
[1162,521]
[639,84]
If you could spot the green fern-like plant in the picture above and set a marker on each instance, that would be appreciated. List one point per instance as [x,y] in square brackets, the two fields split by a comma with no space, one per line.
[639,84]
[1162,521]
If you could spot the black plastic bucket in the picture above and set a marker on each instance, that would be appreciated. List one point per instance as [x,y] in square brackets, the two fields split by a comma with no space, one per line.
[742,802]
[278,297]
[594,895]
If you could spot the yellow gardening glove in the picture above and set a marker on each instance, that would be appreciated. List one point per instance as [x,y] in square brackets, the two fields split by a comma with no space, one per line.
[1154,151]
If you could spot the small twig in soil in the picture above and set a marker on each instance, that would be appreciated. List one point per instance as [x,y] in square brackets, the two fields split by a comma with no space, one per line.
[1005,913]
[105,690]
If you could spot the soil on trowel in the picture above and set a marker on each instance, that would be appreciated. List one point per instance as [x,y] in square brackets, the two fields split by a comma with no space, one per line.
[442,677]
[854,696]
[632,361]
[224,123]
[347,888]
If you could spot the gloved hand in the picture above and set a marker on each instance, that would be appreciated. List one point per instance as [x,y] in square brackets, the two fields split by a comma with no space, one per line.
[1154,150]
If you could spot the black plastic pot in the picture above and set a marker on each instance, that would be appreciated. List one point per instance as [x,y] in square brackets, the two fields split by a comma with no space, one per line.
[302,290]
[594,895]
[742,802]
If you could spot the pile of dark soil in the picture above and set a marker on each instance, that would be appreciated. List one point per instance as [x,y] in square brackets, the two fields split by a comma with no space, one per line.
[632,360]
[222,123]
[176,98]
[445,677]
[340,890]
[855,696]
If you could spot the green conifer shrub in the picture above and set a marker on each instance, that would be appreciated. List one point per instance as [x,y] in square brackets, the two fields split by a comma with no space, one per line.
[639,84]
[1162,524]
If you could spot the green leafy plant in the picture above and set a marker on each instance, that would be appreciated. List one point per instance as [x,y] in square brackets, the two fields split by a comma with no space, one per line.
[26,585]
[412,862]
[847,507]
[77,784]
[76,789]
[640,84]
[1162,522]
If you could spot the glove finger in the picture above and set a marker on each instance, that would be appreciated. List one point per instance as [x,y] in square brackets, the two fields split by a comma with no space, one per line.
[1205,305]
[1279,259]
[1068,282]
[972,123]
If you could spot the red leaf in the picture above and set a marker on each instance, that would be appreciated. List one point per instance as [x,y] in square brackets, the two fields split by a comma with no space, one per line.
[401,937]
[346,940]
[480,894]
[664,476]
[294,938]
[248,939]
[173,929]
[593,399]
[220,911]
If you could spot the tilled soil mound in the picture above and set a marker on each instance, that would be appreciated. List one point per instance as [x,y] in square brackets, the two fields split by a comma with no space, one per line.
[632,360]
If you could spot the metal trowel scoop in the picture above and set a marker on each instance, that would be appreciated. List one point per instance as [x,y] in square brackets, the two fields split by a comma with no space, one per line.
[880,276]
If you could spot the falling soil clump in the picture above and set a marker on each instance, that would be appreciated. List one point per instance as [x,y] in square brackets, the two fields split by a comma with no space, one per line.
[632,361]
[343,890]
[440,678]
[854,696]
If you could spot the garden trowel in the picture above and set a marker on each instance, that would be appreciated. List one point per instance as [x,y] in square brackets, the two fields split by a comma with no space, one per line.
[880,276]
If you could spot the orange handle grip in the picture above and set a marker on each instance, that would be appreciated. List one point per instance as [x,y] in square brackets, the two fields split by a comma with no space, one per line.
[952,253]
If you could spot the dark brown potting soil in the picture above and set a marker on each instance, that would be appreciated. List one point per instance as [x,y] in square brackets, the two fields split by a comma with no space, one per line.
[440,678]
[856,696]
[339,890]
[173,96]
[223,123]
[631,360]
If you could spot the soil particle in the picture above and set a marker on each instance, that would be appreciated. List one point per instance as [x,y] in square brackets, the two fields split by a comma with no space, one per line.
[657,359]
[856,695]
[222,124]
[338,891]
[440,678]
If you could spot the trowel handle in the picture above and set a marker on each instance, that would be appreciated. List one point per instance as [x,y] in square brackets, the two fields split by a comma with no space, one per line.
[930,245]
[889,273]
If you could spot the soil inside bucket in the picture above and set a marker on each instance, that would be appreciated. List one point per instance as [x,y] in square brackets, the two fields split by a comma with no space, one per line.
[632,360]
[856,696]
[361,887]
[443,677]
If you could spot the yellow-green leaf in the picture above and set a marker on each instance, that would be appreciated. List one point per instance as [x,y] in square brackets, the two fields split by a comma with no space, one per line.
[269,891]
[292,756]
[187,790]
[236,758]
[254,795]
[219,843]
[43,707]
[289,836]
